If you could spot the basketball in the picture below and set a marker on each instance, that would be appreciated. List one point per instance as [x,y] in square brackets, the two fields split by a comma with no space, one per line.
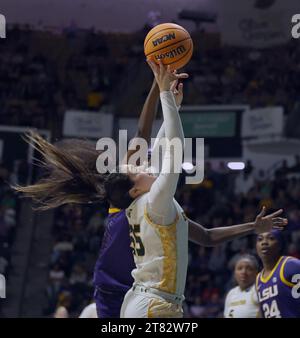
[171,43]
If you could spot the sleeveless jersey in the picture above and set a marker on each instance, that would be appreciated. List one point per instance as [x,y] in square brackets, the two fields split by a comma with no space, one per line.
[241,303]
[160,251]
[279,293]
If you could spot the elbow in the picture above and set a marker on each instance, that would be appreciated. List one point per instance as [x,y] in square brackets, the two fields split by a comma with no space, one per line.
[201,236]
[210,241]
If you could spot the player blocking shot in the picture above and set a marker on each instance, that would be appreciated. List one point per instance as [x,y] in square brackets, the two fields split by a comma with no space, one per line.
[278,284]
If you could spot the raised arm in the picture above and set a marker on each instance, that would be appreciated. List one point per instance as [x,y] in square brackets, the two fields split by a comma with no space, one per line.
[212,237]
[177,90]
[160,205]
[148,113]
[146,119]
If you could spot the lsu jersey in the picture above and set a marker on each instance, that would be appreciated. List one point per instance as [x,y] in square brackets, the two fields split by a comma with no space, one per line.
[279,292]
[160,251]
[241,303]
[115,246]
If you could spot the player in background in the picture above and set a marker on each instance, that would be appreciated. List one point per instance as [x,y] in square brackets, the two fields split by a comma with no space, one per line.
[63,305]
[241,301]
[278,284]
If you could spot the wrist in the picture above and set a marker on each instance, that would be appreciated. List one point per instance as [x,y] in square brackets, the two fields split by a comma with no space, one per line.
[164,90]
[154,83]
[164,86]
[252,227]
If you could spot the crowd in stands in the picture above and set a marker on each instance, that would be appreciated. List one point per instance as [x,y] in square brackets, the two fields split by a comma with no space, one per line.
[78,233]
[9,211]
[43,74]
[228,75]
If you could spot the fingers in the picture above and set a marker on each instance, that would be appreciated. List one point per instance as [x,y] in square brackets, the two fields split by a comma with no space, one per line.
[279,223]
[278,226]
[280,219]
[262,213]
[173,86]
[276,213]
[180,88]
[161,66]
[182,75]
[153,66]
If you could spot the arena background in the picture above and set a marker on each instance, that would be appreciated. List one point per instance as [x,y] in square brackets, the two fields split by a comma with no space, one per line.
[77,69]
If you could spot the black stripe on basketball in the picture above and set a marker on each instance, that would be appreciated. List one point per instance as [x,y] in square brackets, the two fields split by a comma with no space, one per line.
[180,29]
[180,57]
[172,44]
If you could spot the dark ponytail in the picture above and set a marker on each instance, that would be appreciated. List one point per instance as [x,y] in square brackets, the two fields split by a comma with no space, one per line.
[117,186]
[71,175]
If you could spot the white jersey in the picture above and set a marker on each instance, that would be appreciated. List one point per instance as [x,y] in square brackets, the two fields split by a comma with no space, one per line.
[89,311]
[160,251]
[241,303]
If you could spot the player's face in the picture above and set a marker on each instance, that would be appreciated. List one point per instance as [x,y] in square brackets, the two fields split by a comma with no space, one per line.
[141,179]
[267,245]
[245,273]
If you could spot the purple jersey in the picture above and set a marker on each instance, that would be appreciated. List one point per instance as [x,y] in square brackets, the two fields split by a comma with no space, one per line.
[113,268]
[279,293]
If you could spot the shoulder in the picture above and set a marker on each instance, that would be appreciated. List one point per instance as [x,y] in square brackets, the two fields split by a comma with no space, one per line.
[254,297]
[292,261]
[232,292]
[114,219]
[257,280]
[289,268]
[137,207]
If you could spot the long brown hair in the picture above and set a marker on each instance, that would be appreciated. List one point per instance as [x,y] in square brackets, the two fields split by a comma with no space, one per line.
[70,173]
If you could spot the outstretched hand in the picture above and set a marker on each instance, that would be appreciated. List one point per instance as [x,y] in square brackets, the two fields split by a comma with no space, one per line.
[267,223]
[164,76]
[177,90]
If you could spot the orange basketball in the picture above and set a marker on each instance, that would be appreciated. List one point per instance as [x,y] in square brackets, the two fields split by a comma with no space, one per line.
[171,43]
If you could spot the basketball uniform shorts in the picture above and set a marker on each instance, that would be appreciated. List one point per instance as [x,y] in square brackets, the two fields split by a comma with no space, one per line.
[141,302]
[108,303]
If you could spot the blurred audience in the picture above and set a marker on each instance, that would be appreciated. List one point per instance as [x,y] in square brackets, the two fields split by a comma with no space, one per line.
[9,217]
[43,74]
